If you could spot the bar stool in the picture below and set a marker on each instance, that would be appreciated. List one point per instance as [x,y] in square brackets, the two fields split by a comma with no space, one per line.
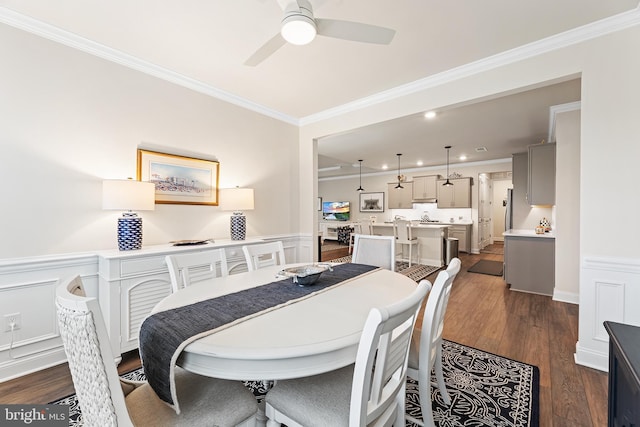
[402,232]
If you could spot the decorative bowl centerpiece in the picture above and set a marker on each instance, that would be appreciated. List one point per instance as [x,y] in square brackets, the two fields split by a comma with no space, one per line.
[305,275]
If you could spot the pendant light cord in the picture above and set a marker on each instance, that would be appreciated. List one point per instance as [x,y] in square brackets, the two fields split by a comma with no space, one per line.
[360,187]
[399,182]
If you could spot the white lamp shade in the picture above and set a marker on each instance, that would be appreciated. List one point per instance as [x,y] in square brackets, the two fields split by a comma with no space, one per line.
[127,194]
[236,199]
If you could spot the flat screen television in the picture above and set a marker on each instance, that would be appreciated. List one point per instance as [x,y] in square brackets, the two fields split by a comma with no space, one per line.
[336,210]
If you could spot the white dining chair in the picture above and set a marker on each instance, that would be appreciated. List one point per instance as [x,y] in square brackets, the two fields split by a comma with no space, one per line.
[188,268]
[263,255]
[106,399]
[375,250]
[369,392]
[404,237]
[362,227]
[425,353]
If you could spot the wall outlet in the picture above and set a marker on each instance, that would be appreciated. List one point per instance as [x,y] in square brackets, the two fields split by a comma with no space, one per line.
[14,318]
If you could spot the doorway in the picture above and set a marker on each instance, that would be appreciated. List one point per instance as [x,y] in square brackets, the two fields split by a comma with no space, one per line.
[492,197]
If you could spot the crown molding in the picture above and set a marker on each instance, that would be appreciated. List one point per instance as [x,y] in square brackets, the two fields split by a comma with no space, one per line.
[577,35]
[567,38]
[53,33]
[419,170]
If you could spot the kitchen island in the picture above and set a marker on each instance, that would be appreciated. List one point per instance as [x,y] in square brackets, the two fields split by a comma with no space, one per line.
[529,261]
[430,240]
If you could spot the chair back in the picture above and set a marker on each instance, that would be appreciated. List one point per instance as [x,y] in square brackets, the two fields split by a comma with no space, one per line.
[434,312]
[402,230]
[264,255]
[379,376]
[188,268]
[375,250]
[365,227]
[86,343]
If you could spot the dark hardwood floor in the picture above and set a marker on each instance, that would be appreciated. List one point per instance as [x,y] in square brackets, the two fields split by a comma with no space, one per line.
[482,313]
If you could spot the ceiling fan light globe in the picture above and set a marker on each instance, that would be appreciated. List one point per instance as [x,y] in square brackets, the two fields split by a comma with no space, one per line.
[298,29]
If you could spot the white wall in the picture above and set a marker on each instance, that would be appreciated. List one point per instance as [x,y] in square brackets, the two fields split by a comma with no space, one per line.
[567,227]
[70,120]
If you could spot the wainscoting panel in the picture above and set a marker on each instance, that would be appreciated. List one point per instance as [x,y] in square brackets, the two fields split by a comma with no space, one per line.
[27,287]
[609,291]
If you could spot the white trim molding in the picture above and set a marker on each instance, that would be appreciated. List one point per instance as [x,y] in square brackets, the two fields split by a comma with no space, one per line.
[609,289]
[577,35]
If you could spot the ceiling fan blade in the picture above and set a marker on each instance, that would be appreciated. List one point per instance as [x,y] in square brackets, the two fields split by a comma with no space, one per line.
[266,50]
[354,31]
[285,4]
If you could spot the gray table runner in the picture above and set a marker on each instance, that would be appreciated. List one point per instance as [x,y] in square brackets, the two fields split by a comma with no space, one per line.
[163,335]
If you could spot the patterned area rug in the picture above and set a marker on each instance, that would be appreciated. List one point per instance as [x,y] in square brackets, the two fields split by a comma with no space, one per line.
[485,390]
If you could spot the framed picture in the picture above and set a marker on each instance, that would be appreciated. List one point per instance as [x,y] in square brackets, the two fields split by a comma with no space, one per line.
[372,202]
[319,203]
[180,180]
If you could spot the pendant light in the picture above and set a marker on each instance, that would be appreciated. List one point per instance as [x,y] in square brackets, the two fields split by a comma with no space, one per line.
[448,183]
[399,182]
[360,189]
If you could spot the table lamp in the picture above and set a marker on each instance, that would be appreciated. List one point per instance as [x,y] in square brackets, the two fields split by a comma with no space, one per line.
[129,195]
[237,200]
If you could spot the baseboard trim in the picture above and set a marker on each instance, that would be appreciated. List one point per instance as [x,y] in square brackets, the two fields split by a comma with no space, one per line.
[24,366]
[568,297]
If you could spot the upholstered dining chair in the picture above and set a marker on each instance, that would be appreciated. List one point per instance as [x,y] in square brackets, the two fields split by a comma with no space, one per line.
[369,392]
[375,250]
[188,268]
[105,399]
[425,352]
[263,255]
[365,227]
[404,237]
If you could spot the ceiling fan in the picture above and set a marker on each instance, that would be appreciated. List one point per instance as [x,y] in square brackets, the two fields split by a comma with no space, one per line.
[299,26]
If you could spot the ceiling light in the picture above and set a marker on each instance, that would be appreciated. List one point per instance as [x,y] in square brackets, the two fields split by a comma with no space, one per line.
[399,176]
[447,183]
[419,163]
[481,149]
[385,167]
[360,189]
[429,114]
[298,26]
[462,157]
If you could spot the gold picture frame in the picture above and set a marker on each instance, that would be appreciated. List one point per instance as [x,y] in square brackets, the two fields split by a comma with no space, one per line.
[178,179]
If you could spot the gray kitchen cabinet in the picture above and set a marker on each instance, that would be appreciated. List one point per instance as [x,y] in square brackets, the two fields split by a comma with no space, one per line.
[400,198]
[463,234]
[457,195]
[529,264]
[541,188]
[424,188]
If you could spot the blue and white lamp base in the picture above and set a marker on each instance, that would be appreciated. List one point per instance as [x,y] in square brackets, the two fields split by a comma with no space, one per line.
[129,232]
[238,226]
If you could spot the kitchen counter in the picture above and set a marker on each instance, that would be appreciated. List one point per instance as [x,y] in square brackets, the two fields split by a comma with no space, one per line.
[435,225]
[528,233]
[529,261]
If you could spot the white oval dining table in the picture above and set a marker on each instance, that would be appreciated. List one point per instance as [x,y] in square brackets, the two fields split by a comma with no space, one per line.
[308,337]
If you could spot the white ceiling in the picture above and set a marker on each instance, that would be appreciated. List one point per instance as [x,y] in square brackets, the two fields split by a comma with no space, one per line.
[203,45]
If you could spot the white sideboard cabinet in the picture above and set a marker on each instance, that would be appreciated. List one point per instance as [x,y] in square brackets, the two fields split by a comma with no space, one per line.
[131,283]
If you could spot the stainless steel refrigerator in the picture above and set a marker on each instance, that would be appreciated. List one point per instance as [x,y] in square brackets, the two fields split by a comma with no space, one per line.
[508,213]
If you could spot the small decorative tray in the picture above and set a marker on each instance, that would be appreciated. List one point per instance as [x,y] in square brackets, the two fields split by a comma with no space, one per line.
[190,242]
[305,275]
